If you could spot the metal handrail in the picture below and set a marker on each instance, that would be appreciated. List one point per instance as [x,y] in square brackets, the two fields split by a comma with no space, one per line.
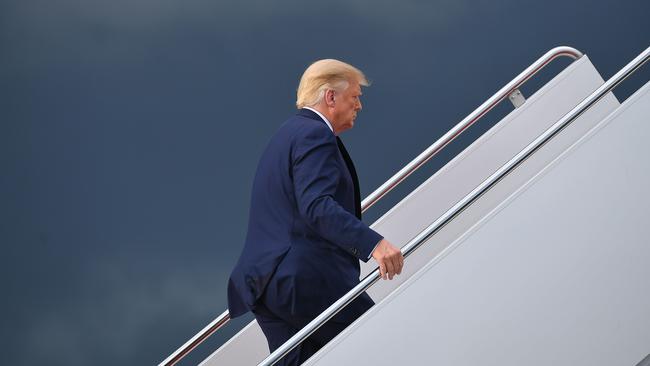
[407,170]
[459,207]
[468,121]
[197,339]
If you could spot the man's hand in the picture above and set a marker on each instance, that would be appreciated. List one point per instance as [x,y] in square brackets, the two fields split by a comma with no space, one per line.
[389,258]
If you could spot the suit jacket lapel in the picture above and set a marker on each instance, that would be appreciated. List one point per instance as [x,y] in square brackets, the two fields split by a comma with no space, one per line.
[348,161]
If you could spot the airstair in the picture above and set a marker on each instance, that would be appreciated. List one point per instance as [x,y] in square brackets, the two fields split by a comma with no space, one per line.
[529,247]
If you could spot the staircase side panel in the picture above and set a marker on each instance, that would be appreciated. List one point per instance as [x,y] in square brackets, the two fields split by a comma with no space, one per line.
[555,275]
[483,157]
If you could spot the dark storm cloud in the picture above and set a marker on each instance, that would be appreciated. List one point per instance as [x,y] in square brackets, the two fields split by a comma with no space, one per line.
[120,31]
[130,131]
[146,15]
[114,308]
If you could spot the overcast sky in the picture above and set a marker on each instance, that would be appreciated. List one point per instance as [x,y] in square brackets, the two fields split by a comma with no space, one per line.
[130,131]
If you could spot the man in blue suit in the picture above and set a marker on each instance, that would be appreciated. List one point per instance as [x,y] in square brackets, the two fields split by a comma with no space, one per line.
[305,234]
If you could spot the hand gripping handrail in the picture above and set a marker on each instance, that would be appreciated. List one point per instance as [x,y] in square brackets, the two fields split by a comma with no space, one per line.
[411,167]
[459,207]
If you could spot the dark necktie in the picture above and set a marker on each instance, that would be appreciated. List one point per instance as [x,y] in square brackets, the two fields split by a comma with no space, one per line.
[355,179]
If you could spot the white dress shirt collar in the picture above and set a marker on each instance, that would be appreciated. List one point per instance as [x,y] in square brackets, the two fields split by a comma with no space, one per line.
[321,116]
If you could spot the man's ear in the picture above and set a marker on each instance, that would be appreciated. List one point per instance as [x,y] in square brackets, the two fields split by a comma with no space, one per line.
[329,97]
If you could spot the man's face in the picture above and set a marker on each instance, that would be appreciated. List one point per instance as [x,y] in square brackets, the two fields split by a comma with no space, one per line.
[347,104]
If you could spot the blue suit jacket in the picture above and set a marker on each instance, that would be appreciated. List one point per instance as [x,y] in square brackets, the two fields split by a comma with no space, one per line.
[305,235]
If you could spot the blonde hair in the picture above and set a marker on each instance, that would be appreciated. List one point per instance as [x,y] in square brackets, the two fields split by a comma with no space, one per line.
[326,74]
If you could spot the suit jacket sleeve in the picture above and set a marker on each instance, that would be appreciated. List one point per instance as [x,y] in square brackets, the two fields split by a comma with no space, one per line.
[316,173]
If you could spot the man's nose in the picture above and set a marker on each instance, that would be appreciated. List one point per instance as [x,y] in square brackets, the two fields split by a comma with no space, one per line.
[359,107]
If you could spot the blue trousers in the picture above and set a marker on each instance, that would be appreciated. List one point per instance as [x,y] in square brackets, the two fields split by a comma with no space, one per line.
[278,329]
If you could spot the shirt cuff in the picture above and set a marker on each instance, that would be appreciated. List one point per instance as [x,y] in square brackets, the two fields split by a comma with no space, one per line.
[373,249]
